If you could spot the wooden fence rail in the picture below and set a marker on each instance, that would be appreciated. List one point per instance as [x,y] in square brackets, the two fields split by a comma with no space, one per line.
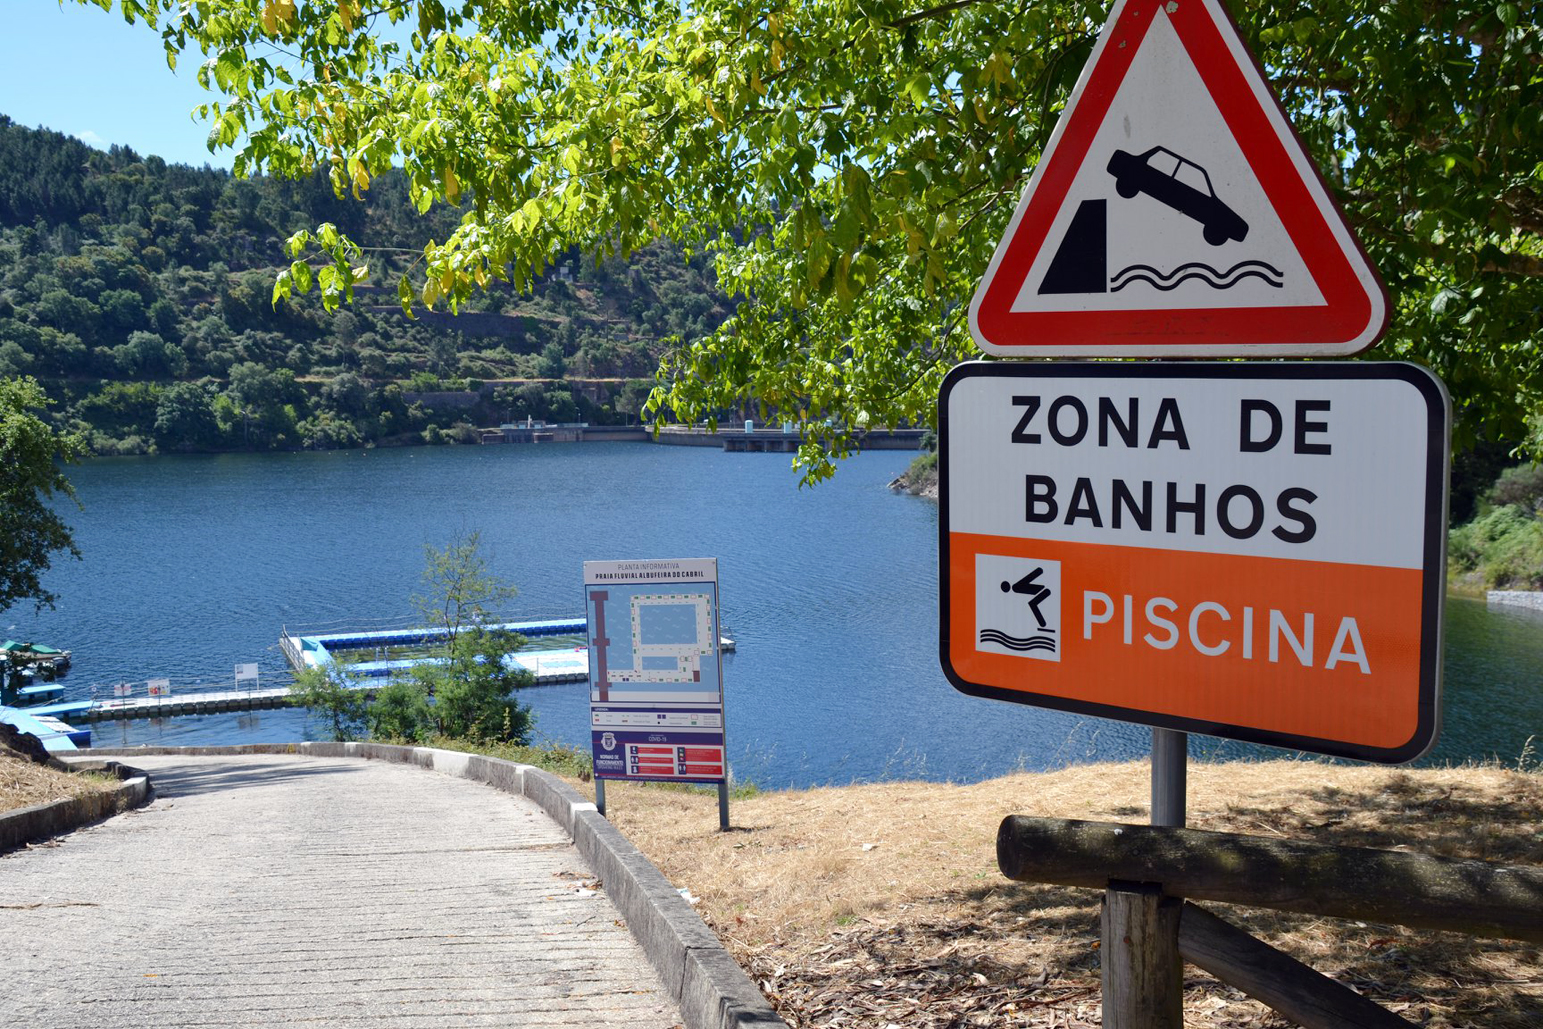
[1388,886]
[1149,930]
[1278,980]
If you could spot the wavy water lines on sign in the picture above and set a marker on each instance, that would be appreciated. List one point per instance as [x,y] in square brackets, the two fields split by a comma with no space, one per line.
[1197,270]
[1002,639]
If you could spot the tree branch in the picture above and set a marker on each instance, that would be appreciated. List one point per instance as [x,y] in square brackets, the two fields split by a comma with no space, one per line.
[932,12]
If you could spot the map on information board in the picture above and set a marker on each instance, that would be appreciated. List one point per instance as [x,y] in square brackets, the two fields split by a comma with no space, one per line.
[654,645]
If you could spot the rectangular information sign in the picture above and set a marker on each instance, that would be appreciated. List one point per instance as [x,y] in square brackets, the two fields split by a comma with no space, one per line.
[655,670]
[1250,551]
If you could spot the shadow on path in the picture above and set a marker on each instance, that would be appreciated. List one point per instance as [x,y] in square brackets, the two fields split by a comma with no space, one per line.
[170,781]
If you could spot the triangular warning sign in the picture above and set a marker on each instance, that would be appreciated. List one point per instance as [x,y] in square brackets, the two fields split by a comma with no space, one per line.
[1175,213]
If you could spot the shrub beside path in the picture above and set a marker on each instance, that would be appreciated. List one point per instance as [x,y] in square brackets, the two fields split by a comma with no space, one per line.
[276,890]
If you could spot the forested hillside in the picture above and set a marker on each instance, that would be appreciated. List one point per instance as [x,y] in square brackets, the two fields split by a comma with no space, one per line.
[139,294]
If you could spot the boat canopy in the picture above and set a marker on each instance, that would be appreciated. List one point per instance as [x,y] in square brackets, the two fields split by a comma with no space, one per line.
[12,647]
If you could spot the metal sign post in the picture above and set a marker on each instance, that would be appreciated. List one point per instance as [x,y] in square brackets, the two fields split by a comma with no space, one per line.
[1170,776]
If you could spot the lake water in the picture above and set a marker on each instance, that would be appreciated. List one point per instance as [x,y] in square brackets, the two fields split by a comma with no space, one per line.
[194,564]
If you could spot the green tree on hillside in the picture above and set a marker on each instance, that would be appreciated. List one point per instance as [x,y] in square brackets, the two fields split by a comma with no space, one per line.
[472,686]
[31,530]
[851,164]
[184,416]
[326,690]
[264,401]
[459,587]
[466,688]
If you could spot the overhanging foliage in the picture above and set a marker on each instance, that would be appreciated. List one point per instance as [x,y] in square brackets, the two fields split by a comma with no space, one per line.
[851,165]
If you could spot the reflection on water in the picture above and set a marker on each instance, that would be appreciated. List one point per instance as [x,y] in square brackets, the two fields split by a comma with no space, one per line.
[1492,696]
[194,564]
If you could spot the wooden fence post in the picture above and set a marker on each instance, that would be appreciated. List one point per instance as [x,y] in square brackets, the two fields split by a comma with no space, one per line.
[1142,971]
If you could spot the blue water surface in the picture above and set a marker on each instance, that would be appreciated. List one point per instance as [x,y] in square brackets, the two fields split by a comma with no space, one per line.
[193,564]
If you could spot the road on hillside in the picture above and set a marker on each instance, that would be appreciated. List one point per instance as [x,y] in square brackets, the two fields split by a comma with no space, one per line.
[275,890]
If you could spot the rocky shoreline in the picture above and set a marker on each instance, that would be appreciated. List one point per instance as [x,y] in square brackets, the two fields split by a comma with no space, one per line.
[1530,599]
[924,484]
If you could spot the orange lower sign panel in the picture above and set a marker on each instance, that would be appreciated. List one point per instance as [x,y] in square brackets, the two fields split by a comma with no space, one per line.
[1207,642]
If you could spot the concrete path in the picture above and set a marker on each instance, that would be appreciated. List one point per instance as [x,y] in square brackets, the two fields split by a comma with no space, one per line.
[268,890]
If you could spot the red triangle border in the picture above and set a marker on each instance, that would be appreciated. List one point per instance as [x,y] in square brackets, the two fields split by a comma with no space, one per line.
[1355,312]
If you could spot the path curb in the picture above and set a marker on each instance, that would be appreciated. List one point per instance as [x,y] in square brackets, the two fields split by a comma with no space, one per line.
[44,821]
[713,992]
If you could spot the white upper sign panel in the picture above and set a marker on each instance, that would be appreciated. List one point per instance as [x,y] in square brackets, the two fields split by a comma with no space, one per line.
[1174,213]
[1200,448]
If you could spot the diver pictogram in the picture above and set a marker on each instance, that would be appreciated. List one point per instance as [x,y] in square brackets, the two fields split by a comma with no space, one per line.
[1018,609]
[1035,592]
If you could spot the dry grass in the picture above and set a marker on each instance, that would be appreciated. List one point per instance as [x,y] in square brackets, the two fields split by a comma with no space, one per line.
[879,905]
[23,784]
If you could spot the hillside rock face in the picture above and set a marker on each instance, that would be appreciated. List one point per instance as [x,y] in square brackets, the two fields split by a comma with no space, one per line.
[924,485]
[23,744]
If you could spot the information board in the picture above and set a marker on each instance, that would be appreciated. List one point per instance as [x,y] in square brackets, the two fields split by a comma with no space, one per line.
[655,670]
[1249,551]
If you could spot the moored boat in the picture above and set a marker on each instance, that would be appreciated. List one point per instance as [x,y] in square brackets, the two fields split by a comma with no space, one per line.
[43,661]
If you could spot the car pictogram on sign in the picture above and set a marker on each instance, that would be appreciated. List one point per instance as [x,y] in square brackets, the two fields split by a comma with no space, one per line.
[1160,173]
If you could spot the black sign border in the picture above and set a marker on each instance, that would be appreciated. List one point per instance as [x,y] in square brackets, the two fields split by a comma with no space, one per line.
[1438,463]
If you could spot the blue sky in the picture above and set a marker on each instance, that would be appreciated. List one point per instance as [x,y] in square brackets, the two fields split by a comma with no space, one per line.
[83,72]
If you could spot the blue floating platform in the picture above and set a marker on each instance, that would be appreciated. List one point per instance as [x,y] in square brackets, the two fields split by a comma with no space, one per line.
[57,737]
[549,665]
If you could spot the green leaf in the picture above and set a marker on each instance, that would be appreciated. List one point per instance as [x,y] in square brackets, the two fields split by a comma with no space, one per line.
[404,293]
